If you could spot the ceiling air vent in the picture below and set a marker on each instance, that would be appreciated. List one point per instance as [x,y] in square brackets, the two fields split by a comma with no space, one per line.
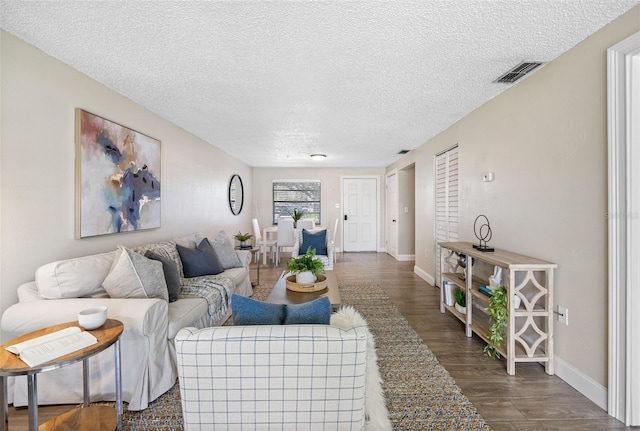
[403,151]
[519,72]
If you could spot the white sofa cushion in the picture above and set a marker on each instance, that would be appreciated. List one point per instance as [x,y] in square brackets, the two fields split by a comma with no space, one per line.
[74,278]
[185,312]
[135,276]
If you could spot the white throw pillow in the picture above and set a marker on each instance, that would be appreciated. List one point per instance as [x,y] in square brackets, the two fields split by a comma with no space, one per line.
[225,252]
[135,276]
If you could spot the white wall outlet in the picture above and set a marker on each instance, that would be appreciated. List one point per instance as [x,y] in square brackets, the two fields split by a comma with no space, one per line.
[337,205]
[426,252]
[406,209]
[563,314]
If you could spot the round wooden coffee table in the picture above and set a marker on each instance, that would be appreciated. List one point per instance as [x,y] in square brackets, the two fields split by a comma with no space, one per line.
[10,365]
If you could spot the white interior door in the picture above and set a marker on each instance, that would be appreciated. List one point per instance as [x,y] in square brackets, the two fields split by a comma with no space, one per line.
[392,214]
[360,202]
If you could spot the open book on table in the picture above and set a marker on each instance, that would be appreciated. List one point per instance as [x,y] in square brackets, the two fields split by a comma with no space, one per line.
[47,347]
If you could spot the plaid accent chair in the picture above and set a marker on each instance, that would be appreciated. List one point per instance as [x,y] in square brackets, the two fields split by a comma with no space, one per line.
[327,259]
[291,377]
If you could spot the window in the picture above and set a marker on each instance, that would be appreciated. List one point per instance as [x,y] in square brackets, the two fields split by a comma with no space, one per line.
[289,195]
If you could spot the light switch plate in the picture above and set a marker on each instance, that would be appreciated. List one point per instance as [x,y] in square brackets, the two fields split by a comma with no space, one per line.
[487,177]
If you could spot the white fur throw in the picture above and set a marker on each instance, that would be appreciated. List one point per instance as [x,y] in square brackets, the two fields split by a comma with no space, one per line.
[375,405]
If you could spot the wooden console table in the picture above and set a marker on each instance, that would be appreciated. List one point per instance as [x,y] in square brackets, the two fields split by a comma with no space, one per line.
[94,417]
[529,332]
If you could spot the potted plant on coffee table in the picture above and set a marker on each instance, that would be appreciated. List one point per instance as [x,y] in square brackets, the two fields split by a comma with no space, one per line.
[243,238]
[306,267]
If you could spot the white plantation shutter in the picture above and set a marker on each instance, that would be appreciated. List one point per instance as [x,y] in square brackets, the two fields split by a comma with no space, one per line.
[446,201]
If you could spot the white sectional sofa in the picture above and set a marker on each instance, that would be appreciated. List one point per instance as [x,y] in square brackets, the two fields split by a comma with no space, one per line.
[61,289]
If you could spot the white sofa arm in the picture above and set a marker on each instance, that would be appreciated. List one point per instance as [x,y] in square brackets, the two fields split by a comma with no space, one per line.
[150,370]
[245,257]
[140,317]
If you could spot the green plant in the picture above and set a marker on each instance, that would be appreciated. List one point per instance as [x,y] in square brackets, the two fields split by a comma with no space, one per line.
[242,237]
[296,214]
[461,297]
[306,262]
[498,317]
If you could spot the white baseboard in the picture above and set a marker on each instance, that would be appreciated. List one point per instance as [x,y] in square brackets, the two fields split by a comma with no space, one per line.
[406,258]
[582,383]
[424,275]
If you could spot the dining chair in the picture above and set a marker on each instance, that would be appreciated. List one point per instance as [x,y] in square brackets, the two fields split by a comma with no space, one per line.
[262,243]
[285,237]
[334,241]
[306,223]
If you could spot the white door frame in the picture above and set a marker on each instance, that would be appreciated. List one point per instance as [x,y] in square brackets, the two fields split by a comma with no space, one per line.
[378,215]
[388,205]
[623,67]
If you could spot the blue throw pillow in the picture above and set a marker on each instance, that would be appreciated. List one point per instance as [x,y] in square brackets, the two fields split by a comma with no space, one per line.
[197,263]
[316,312]
[247,311]
[317,240]
[206,246]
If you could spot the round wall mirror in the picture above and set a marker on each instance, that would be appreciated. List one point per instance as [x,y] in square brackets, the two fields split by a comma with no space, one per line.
[236,194]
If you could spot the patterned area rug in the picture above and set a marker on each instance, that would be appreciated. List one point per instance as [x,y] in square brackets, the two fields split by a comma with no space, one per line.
[420,393]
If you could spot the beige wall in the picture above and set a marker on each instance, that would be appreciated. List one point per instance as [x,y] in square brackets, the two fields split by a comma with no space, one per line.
[546,140]
[38,99]
[331,192]
[406,220]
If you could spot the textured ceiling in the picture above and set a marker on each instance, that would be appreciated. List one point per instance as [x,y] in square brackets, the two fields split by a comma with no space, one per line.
[272,82]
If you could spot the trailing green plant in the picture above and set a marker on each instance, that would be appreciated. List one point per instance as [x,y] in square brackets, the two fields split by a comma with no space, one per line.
[498,317]
[306,262]
[296,214]
[461,297]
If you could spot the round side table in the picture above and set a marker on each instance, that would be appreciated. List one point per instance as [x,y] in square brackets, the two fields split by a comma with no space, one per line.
[11,365]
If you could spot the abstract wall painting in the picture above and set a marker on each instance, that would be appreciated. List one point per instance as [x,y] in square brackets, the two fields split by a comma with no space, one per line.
[117,178]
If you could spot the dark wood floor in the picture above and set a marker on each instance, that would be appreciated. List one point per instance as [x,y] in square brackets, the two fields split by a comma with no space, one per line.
[530,400]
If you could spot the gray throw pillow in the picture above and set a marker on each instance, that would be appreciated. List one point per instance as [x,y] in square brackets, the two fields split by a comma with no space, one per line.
[171,274]
[134,276]
[225,252]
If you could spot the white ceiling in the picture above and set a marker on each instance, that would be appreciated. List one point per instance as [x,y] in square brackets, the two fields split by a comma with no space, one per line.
[272,82]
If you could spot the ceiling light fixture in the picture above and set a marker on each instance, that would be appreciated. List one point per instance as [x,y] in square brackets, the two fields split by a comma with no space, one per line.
[318,156]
